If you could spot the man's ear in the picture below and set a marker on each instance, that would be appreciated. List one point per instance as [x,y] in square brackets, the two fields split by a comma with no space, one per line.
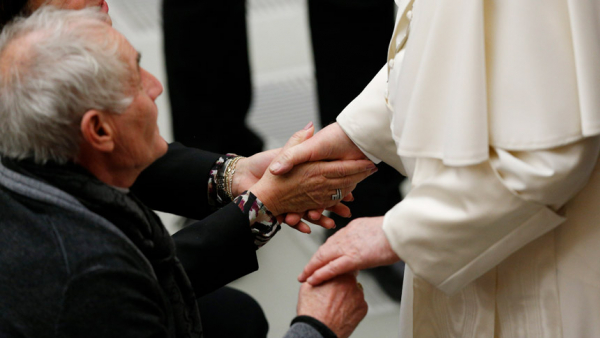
[97,131]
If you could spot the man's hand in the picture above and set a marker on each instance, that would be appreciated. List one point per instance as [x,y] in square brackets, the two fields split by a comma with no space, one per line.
[331,143]
[360,245]
[339,304]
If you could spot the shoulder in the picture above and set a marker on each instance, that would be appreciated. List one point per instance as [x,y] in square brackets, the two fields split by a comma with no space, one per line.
[46,248]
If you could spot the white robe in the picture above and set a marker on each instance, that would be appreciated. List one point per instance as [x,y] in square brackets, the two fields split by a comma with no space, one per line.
[501,230]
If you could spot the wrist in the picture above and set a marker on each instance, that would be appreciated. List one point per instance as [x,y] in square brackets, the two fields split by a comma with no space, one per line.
[263,224]
[264,194]
[217,191]
[229,171]
[237,179]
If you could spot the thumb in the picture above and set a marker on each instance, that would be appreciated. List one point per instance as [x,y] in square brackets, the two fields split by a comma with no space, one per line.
[293,152]
[300,136]
[287,159]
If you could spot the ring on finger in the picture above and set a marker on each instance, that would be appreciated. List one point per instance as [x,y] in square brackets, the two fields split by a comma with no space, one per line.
[337,195]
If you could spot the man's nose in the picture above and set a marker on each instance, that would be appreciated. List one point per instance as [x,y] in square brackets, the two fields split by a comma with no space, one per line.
[152,85]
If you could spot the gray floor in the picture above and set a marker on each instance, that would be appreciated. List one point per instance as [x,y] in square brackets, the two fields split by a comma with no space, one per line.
[284,101]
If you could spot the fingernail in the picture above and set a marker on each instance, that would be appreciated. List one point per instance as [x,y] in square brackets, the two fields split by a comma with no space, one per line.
[310,124]
[275,166]
[371,166]
[374,171]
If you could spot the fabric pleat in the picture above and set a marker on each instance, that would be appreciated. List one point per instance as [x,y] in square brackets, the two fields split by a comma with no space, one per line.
[519,75]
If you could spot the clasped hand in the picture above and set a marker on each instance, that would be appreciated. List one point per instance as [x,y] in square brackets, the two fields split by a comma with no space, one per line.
[307,189]
[360,245]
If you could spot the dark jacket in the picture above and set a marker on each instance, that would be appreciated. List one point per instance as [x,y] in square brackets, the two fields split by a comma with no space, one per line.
[67,272]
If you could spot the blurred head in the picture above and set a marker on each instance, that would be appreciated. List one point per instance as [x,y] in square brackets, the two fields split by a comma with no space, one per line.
[9,9]
[70,83]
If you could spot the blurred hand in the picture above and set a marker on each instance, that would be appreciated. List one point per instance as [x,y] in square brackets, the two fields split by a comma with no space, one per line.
[360,245]
[339,304]
[331,143]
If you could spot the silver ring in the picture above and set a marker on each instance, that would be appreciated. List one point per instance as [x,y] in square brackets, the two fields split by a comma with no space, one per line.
[337,196]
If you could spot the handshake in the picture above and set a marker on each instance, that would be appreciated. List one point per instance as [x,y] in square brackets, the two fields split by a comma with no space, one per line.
[308,175]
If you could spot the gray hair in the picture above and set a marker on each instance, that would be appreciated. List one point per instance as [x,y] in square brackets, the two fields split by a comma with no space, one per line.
[54,67]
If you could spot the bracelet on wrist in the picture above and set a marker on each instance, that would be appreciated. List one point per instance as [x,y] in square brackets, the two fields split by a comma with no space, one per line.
[217,189]
[230,167]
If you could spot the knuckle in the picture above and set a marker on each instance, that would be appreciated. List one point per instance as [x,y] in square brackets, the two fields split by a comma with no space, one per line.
[320,180]
[318,256]
[364,308]
[340,170]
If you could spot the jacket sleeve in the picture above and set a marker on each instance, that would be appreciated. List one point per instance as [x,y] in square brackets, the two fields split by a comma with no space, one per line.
[302,330]
[459,222]
[217,250]
[177,183]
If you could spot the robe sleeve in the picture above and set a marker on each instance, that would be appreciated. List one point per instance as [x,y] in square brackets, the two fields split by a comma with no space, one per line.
[366,120]
[459,222]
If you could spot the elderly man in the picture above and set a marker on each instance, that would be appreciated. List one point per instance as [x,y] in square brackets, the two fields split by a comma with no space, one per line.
[82,256]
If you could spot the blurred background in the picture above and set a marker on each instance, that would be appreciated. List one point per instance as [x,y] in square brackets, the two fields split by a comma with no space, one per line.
[284,100]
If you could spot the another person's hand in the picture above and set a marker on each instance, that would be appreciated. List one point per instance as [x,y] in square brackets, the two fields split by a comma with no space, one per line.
[360,245]
[339,304]
[310,185]
[250,170]
[331,143]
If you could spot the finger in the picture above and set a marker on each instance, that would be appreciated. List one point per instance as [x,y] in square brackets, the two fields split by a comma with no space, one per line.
[302,227]
[325,222]
[331,198]
[300,136]
[292,218]
[348,198]
[325,254]
[287,159]
[314,215]
[337,169]
[347,183]
[341,210]
[333,269]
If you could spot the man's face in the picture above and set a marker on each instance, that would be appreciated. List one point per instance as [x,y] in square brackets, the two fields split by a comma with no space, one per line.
[137,140]
[70,4]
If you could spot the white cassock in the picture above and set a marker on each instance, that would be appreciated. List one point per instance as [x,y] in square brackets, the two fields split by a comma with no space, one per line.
[492,109]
